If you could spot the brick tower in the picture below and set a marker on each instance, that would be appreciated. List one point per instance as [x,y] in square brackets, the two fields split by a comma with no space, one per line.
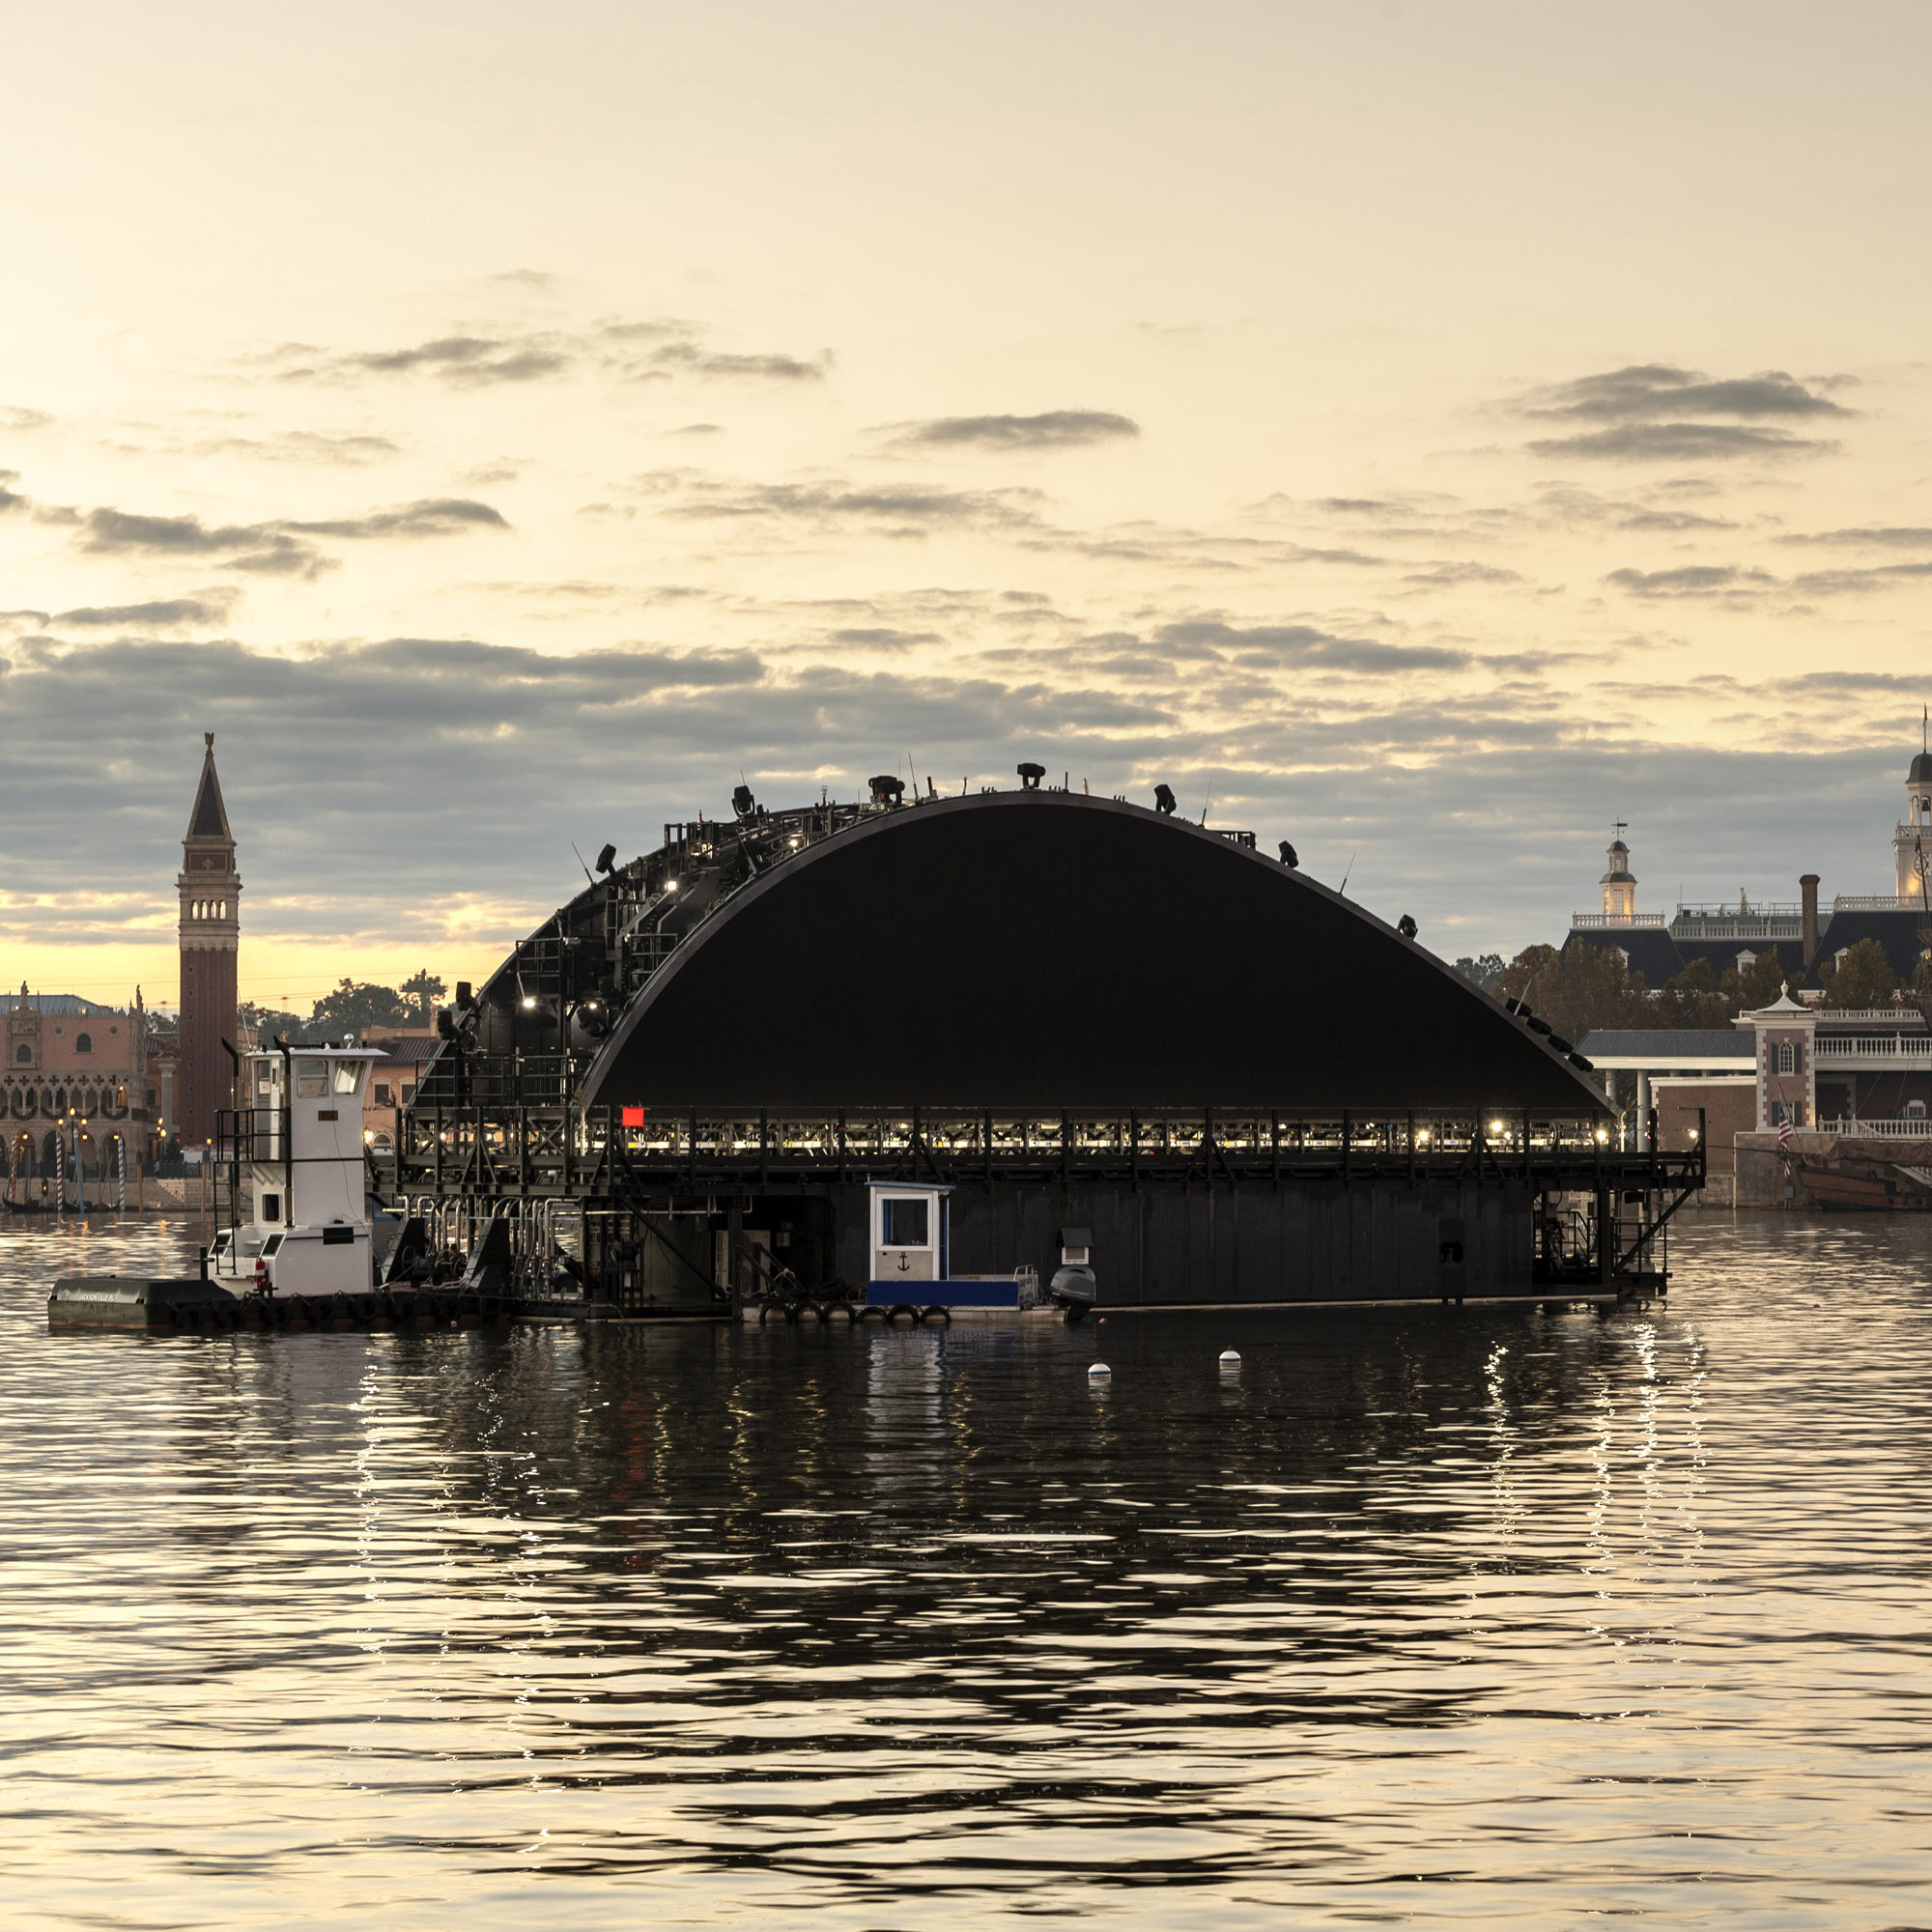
[211,931]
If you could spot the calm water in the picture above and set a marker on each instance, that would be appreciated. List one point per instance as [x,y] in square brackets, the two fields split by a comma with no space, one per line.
[1424,1616]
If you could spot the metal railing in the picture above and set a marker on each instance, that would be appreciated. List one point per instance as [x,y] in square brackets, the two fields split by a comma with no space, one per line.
[1904,1129]
[1860,1051]
[1701,925]
[1595,921]
[1751,909]
[595,1154]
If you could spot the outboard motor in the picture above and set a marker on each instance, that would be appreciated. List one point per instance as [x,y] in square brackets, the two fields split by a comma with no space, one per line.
[1073,1288]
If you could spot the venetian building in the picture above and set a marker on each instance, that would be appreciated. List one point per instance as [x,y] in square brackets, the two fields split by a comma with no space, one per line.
[75,1071]
[210,932]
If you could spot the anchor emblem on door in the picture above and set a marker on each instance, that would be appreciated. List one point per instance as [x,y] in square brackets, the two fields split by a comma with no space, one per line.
[905,1263]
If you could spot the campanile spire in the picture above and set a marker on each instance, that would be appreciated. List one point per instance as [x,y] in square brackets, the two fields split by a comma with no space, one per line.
[211,934]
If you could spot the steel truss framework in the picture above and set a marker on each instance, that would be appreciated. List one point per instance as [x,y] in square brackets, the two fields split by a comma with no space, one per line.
[489,1161]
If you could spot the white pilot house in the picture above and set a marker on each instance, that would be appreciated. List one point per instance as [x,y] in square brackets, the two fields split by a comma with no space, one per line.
[299,1137]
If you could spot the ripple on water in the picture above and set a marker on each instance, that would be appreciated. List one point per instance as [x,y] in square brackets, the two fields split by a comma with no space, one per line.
[1426,1615]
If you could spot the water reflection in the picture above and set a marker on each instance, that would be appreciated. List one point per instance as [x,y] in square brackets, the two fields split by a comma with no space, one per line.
[1421,1613]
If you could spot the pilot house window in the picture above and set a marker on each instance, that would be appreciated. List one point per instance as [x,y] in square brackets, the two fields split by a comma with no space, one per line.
[311,1079]
[905,1224]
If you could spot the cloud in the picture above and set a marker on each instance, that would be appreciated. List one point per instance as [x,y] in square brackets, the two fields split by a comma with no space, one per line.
[257,547]
[302,445]
[1895,536]
[688,359]
[884,638]
[468,361]
[19,421]
[205,607]
[638,350]
[1843,583]
[1678,443]
[1454,576]
[1672,522]
[902,508]
[432,517]
[1273,645]
[1691,580]
[1057,429]
[651,733]
[275,549]
[10,499]
[1655,413]
[1655,393]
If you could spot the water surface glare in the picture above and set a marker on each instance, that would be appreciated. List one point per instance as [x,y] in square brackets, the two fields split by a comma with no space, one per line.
[1420,1616]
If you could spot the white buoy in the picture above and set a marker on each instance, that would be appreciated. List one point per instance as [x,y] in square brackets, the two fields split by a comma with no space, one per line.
[1230,1359]
[1100,1372]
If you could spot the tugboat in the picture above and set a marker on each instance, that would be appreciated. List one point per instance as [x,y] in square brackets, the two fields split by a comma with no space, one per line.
[312,1238]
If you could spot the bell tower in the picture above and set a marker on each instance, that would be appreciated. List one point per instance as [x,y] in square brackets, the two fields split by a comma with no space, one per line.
[1618,883]
[1912,843]
[210,932]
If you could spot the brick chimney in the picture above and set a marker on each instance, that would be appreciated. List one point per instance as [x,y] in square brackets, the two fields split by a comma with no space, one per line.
[1807,895]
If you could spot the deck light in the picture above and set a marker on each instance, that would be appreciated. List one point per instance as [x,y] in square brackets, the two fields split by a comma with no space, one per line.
[1422,1136]
[1496,1126]
[1603,1134]
[670,885]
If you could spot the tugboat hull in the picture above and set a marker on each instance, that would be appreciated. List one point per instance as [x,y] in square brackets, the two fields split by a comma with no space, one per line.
[133,1303]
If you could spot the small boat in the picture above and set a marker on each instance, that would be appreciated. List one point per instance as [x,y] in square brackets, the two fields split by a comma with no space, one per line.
[1873,1187]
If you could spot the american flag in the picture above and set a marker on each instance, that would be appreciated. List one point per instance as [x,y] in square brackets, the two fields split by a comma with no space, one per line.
[1784,1135]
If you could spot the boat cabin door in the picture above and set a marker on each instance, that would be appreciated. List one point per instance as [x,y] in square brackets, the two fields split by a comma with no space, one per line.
[908,1233]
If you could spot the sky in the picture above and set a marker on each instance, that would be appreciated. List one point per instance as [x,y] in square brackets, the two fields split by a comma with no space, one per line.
[1430,433]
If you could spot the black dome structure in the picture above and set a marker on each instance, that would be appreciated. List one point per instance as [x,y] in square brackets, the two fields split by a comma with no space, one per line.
[908,1053]
[1045,952]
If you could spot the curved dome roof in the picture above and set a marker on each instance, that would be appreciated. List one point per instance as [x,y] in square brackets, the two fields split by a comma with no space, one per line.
[1921,770]
[1040,952]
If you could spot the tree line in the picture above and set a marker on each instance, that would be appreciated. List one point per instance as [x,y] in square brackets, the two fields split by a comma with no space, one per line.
[1591,986]
[352,1006]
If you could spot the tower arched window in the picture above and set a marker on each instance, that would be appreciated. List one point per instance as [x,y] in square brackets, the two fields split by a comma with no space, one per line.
[23,1055]
[83,1042]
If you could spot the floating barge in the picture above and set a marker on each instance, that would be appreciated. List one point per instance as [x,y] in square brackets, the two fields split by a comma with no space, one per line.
[897,1053]
[919,1059]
